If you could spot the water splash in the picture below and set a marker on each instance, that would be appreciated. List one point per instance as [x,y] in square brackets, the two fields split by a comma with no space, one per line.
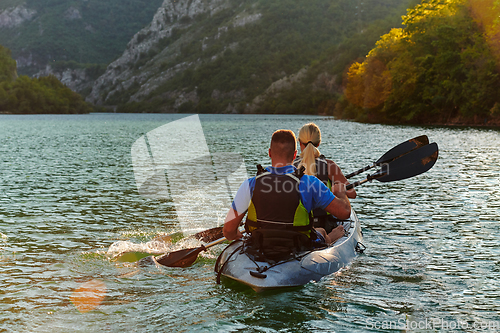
[131,251]
[152,247]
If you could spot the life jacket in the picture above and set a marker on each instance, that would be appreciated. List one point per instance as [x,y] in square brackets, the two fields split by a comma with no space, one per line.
[276,204]
[321,174]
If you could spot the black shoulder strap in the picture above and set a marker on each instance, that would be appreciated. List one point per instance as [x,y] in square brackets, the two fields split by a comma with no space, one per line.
[260,169]
[299,172]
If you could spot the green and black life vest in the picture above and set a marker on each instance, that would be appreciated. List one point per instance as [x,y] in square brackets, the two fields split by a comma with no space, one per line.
[321,174]
[276,204]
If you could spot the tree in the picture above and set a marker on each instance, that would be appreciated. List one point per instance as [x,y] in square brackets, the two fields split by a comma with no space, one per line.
[436,68]
[7,65]
[39,95]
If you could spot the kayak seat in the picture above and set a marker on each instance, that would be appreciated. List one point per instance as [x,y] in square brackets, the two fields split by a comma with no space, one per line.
[276,244]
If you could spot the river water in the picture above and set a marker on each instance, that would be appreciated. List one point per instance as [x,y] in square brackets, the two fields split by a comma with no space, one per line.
[69,195]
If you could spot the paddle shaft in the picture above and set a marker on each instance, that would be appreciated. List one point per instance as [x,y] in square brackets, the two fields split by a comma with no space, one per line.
[368,167]
[360,182]
[215,242]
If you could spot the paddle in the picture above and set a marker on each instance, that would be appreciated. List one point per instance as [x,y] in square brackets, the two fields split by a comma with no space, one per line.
[409,165]
[186,257]
[406,165]
[394,153]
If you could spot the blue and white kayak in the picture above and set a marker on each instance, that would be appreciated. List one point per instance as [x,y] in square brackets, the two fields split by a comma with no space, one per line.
[237,264]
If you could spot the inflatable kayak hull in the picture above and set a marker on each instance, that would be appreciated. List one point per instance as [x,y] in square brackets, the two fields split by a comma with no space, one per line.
[305,267]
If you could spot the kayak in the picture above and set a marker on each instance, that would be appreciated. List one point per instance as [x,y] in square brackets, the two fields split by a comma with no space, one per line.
[238,263]
[272,259]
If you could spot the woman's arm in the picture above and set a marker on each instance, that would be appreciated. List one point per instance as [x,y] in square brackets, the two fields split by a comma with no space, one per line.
[336,175]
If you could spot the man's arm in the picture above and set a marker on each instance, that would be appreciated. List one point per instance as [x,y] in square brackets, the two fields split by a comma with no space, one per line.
[340,207]
[240,203]
[231,224]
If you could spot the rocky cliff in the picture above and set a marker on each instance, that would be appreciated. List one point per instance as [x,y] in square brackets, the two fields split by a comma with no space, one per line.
[141,69]
[15,16]
[88,32]
[232,56]
[198,55]
[77,79]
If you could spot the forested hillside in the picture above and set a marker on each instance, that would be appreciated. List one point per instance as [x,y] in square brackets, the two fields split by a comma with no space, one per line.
[41,32]
[44,95]
[442,67]
[219,55]
[354,59]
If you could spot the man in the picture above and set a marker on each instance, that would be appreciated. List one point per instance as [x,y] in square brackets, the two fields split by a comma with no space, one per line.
[280,198]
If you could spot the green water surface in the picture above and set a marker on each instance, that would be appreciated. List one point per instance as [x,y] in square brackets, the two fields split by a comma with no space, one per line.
[68,193]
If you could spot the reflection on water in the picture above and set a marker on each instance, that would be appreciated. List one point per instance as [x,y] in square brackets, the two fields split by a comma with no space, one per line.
[68,194]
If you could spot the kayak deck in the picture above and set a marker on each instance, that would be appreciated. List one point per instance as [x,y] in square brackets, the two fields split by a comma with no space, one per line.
[234,263]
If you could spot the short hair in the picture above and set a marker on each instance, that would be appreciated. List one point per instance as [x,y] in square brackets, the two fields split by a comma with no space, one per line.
[284,144]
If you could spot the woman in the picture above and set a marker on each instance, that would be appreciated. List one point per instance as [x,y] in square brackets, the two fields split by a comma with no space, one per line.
[327,171]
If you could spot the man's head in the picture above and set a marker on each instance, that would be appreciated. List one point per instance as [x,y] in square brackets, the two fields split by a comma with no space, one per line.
[283,147]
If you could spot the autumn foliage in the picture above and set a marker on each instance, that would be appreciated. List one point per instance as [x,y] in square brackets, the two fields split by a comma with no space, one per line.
[443,66]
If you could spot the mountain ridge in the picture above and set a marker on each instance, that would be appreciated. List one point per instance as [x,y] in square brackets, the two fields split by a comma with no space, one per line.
[162,27]
[225,53]
[45,32]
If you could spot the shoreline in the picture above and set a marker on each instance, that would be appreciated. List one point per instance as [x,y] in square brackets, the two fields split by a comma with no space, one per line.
[490,122]
[475,121]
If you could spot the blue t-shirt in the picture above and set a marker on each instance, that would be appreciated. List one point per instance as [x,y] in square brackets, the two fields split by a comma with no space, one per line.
[313,193]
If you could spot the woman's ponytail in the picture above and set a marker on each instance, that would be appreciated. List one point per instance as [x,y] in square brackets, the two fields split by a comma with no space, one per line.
[310,136]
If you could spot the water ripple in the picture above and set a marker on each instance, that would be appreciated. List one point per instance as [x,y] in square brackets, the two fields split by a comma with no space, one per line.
[68,194]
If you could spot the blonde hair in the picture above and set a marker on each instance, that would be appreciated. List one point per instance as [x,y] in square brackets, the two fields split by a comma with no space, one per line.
[310,133]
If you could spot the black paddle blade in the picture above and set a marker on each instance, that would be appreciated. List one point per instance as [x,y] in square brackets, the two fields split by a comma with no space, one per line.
[394,153]
[412,164]
[403,148]
[181,258]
